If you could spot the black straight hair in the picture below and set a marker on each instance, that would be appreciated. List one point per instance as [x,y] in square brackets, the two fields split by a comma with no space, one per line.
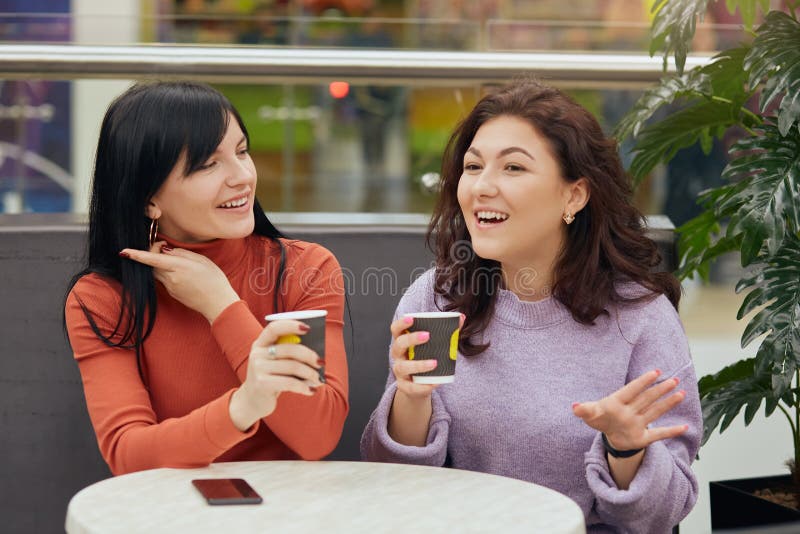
[143,135]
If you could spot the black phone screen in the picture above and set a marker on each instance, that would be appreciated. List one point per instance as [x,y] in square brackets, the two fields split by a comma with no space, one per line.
[227,491]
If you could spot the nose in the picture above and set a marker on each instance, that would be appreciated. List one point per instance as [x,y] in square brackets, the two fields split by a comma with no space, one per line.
[484,184]
[241,172]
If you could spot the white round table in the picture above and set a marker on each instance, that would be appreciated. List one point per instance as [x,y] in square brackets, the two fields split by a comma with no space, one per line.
[307,497]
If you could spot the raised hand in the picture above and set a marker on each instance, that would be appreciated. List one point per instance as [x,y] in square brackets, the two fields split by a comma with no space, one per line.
[625,415]
[192,279]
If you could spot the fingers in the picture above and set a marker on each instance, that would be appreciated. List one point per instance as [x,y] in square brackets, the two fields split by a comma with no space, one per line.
[665,432]
[643,401]
[290,368]
[404,368]
[586,410]
[283,384]
[400,346]
[287,351]
[664,405]
[633,388]
[153,259]
[401,325]
[276,329]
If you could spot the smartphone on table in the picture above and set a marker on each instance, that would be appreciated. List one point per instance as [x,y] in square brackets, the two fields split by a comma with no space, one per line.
[227,491]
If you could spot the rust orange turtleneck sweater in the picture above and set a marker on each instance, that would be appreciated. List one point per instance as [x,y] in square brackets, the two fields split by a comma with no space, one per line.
[192,367]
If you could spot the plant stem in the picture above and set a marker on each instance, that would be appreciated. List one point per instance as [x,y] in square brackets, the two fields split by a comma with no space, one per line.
[743,109]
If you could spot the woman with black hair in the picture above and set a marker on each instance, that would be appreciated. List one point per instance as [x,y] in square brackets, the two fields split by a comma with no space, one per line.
[572,350]
[166,321]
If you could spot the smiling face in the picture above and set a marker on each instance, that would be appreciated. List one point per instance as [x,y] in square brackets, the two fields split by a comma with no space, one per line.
[214,202]
[513,196]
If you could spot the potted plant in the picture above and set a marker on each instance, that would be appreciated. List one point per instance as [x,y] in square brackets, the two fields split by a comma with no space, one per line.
[753,89]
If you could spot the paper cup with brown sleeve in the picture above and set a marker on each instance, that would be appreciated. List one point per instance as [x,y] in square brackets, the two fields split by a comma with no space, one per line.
[314,339]
[442,345]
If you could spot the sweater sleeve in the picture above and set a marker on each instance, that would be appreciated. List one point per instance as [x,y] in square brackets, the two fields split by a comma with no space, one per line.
[129,435]
[664,489]
[376,444]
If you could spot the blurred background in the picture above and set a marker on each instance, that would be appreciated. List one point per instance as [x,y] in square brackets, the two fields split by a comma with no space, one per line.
[338,146]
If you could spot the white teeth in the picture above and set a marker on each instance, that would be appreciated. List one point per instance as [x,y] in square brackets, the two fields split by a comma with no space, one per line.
[492,215]
[235,203]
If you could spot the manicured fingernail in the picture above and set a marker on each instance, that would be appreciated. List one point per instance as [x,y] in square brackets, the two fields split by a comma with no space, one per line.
[685,428]
[304,328]
[408,320]
[423,336]
[320,362]
[658,372]
[166,248]
[682,393]
[124,254]
[463,317]
[677,380]
[575,405]
[432,363]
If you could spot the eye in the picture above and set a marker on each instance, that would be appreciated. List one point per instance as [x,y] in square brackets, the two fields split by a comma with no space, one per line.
[513,167]
[243,151]
[471,167]
[207,165]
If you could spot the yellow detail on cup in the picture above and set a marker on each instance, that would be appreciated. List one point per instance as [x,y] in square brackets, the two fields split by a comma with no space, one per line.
[411,352]
[454,345]
[294,339]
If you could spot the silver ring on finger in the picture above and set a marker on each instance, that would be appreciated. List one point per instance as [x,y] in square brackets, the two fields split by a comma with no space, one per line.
[272,352]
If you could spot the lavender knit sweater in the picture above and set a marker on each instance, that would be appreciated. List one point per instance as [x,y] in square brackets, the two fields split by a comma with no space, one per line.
[509,411]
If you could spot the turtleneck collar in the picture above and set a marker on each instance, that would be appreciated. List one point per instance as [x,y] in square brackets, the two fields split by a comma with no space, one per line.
[524,314]
[228,254]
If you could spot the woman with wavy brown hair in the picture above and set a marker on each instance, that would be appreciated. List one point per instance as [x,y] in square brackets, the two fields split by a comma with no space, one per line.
[571,349]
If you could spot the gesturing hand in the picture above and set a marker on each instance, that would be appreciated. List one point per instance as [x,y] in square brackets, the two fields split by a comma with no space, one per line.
[274,369]
[192,279]
[624,415]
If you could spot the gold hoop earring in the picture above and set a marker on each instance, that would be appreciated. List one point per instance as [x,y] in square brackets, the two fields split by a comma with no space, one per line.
[151,238]
[568,218]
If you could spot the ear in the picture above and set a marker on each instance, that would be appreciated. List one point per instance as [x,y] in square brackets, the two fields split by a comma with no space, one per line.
[152,211]
[577,196]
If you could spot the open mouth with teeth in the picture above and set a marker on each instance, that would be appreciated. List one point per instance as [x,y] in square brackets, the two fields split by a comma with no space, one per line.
[236,203]
[487,218]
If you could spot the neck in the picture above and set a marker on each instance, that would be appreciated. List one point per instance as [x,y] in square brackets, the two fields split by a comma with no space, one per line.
[530,282]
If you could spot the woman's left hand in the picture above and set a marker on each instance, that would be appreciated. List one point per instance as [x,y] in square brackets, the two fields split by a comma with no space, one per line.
[624,415]
[190,278]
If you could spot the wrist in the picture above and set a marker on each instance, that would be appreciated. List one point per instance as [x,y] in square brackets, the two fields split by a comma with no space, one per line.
[241,410]
[618,453]
[217,306]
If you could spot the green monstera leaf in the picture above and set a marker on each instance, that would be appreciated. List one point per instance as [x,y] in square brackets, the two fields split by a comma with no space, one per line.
[700,122]
[768,205]
[673,28]
[675,23]
[724,394]
[775,289]
[775,56]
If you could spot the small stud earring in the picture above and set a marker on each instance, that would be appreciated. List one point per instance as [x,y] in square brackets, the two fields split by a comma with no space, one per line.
[568,218]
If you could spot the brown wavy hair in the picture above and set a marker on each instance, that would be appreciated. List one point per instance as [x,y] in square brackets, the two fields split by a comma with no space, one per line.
[605,244]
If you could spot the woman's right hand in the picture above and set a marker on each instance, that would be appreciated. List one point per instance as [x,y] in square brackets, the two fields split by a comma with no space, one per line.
[273,369]
[412,407]
[402,367]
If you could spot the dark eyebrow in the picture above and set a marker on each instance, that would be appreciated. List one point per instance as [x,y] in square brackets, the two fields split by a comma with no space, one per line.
[511,149]
[504,152]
